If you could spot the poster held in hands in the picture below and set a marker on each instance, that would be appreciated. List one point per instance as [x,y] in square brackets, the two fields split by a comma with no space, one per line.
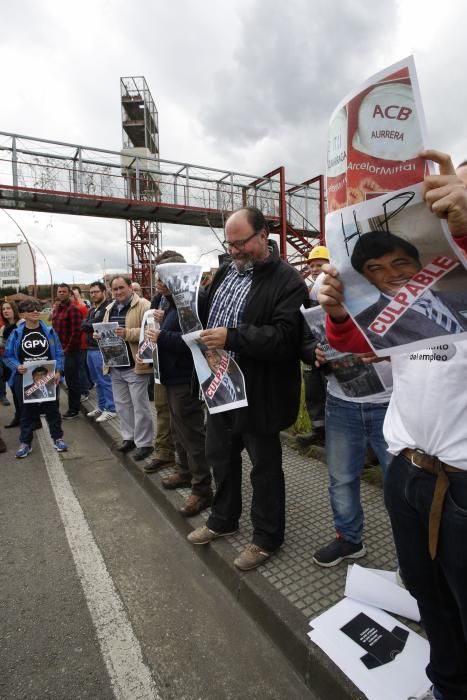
[183,282]
[220,378]
[147,348]
[405,281]
[355,378]
[39,381]
[113,348]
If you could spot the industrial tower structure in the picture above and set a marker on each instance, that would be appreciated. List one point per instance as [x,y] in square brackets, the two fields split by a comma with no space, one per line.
[140,137]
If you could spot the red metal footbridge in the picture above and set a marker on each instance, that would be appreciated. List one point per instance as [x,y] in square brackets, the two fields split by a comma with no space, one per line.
[136,185]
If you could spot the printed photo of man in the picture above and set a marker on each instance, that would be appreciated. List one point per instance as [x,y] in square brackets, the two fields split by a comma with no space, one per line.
[389,262]
[229,388]
[40,389]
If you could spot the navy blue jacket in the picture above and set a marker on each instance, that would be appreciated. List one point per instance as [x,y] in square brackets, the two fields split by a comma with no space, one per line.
[175,359]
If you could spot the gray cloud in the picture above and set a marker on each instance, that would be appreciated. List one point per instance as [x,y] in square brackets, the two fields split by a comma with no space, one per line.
[245,86]
[293,64]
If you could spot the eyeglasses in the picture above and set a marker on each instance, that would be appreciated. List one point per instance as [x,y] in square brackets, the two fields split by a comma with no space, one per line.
[29,309]
[239,245]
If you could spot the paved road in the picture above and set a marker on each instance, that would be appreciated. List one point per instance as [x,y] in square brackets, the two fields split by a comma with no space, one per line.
[100,597]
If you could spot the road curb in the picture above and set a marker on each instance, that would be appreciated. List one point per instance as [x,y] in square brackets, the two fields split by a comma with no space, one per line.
[285,625]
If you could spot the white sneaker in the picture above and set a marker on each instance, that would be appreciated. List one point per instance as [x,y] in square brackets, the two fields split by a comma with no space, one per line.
[105,416]
[94,414]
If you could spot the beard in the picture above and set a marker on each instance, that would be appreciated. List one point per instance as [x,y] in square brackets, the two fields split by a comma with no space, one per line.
[244,263]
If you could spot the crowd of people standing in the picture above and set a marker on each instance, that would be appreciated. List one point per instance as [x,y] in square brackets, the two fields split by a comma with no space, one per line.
[252,311]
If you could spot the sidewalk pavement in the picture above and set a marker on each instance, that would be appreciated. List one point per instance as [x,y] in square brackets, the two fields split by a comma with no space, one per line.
[288,590]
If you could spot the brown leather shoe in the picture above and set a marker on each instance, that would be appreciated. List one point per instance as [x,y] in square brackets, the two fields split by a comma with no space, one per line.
[157,464]
[176,481]
[2,445]
[195,504]
[251,557]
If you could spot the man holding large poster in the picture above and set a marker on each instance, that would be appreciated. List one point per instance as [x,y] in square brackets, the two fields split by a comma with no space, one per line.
[253,312]
[426,484]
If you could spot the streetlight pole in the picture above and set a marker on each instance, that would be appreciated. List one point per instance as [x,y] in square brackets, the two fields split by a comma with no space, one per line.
[30,249]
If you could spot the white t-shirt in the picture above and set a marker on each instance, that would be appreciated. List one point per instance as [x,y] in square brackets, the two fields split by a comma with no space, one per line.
[428,408]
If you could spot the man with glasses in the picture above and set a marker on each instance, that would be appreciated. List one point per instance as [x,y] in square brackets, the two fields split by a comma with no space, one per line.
[33,340]
[105,410]
[253,312]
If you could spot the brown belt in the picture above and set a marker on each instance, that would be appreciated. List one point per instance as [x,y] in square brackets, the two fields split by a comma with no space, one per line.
[440,470]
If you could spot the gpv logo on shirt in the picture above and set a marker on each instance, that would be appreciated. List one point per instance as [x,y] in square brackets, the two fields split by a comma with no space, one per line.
[35,345]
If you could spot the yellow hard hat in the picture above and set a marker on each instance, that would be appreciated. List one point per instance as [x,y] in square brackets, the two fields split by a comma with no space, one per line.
[319,252]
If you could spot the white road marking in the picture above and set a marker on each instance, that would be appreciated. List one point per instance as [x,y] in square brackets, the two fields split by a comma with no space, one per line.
[121,651]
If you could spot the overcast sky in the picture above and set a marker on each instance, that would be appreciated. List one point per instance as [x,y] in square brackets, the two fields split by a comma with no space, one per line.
[244,85]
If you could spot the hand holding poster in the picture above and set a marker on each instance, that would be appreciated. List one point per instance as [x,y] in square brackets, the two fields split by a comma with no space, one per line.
[220,378]
[40,382]
[405,284]
[113,348]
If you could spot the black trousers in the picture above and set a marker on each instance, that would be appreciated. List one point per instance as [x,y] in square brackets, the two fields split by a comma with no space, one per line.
[315,395]
[223,452]
[188,432]
[72,365]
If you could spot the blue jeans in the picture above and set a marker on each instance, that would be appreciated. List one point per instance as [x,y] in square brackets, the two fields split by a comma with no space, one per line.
[440,586]
[84,381]
[350,428]
[105,398]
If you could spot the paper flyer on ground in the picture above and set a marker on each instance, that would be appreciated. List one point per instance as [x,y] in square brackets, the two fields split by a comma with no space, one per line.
[183,281]
[355,378]
[380,589]
[39,381]
[382,657]
[113,348]
[220,378]
[146,348]
[405,281]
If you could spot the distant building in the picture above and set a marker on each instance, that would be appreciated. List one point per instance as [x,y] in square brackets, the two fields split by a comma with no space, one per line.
[16,265]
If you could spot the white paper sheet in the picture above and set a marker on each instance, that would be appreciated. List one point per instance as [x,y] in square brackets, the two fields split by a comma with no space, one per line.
[376,588]
[402,676]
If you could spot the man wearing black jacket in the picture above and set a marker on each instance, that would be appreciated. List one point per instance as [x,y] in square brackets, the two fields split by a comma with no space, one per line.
[253,311]
[105,401]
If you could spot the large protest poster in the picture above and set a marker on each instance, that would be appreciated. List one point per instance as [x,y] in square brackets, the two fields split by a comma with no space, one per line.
[405,282]
[113,348]
[374,138]
[39,381]
[355,378]
[220,378]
